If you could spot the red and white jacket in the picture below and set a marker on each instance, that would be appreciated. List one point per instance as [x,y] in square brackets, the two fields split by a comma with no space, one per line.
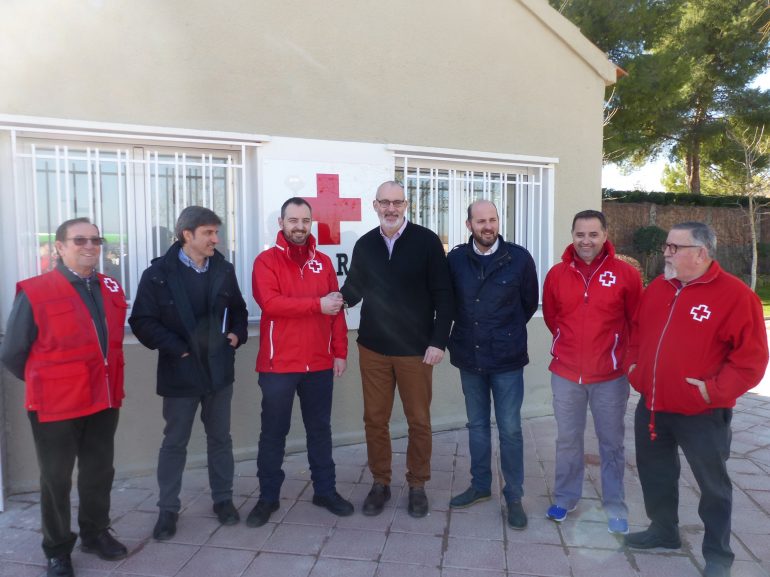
[590,318]
[66,373]
[711,329]
[295,336]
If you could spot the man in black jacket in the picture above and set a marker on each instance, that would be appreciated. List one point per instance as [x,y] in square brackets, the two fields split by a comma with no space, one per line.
[399,269]
[189,307]
[496,293]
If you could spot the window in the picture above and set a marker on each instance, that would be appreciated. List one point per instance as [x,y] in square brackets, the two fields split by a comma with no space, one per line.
[132,188]
[440,188]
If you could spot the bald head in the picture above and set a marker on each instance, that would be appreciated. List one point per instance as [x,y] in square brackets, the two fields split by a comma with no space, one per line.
[481,205]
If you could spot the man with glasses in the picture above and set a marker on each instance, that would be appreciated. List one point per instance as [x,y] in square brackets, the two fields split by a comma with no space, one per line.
[589,300]
[496,293]
[189,307]
[698,343]
[65,340]
[400,272]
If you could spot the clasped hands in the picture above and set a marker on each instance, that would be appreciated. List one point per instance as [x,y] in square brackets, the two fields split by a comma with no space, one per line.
[332,303]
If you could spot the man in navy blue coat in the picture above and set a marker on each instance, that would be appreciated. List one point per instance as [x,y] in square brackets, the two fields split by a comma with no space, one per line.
[496,293]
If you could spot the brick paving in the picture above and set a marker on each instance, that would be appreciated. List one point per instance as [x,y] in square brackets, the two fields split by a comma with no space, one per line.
[302,540]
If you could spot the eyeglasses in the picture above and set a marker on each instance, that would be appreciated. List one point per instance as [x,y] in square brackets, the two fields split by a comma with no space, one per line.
[393,203]
[672,248]
[82,240]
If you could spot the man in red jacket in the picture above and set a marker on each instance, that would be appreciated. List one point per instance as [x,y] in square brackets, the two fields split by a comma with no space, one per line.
[303,345]
[65,340]
[698,343]
[589,300]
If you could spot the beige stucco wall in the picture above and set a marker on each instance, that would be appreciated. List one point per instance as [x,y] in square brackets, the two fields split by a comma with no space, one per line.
[466,74]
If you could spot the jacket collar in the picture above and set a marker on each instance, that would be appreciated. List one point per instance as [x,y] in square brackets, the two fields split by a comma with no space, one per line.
[713,272]
[570,254]
[283,245]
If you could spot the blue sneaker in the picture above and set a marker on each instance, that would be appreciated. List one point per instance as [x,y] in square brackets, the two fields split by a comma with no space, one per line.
[556,513]
[617,526]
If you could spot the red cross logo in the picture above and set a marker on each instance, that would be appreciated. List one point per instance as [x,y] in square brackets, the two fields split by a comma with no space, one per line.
[700,313]
[111,285]
[315,266]
[607,278]
[329,209]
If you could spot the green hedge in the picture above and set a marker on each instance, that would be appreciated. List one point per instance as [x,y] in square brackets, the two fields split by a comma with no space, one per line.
[681,199]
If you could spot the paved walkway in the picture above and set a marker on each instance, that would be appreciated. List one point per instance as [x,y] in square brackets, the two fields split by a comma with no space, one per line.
[306,540]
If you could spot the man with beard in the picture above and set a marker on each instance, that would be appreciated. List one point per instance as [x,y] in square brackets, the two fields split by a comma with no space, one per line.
[496,293]
[189,307]
[589,300]
[698,343]
[65,341]
[399,270]
[303,345]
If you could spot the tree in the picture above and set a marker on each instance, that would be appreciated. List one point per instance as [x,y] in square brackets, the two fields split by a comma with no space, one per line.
[689,64]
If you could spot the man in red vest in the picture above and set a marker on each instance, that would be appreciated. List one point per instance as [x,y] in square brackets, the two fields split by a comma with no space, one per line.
[65,340]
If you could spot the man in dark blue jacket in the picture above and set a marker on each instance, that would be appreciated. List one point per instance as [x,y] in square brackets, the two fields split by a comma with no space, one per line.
[189,307]
[496,293]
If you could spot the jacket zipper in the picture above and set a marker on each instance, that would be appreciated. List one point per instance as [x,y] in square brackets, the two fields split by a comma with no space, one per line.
[107,343]
[651,426]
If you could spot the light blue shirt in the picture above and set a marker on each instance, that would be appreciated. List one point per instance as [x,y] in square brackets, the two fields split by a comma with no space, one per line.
[186,260]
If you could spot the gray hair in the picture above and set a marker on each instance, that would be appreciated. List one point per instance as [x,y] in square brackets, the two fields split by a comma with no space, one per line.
[702,234]
[191,218]
[388,184]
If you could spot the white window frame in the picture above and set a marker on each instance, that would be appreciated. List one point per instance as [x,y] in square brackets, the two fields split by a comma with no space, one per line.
[534,198]
[134,143]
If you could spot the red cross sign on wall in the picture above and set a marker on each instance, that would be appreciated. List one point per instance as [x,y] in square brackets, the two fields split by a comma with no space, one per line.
[329,209]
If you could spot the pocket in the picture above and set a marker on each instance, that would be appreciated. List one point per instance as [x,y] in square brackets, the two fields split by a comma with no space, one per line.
[63,388]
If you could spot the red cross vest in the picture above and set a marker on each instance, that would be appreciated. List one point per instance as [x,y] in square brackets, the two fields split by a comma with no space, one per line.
[67,375]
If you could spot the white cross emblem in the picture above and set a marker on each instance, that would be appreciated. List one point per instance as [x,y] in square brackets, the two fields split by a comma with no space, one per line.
[315,266]
[111,285]
[607,278]
[700,313]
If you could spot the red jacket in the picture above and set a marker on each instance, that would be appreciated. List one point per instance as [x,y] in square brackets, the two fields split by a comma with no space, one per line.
[711,329]
[295,336]
[66,373]
[590,319]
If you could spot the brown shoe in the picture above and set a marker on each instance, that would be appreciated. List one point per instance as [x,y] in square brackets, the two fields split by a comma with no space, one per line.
[375,500]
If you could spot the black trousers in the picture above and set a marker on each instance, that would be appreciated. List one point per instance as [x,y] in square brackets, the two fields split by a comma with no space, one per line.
[705,441]
[90,440]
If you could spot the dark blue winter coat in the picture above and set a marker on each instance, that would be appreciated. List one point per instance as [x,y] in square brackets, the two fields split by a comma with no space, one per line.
[492,307]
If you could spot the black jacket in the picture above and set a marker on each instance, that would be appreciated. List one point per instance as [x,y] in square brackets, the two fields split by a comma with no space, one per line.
[162,318]
[407,298]
[493,305]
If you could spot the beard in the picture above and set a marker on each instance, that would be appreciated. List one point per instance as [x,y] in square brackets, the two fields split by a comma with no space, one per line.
[485,242]
[669,271]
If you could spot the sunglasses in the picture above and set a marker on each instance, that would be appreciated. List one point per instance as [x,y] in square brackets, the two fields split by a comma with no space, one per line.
[82,240]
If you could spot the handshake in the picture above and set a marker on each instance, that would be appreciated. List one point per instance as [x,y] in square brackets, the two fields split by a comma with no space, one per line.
[332,303]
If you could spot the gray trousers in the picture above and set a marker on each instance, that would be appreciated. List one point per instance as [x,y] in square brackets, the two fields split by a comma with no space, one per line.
[179,413]
[608,402]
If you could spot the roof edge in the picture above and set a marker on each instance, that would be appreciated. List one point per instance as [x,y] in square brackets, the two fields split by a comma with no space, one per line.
[574,38]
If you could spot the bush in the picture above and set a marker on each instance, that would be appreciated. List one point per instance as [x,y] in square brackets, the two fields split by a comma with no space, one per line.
[648,239]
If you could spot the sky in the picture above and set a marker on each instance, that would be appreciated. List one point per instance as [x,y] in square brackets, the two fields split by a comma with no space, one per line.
[648,177]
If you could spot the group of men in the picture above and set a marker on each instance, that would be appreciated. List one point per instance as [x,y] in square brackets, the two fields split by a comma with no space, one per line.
[691,344]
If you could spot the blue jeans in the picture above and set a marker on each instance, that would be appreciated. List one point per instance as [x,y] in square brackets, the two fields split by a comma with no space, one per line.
[315,400]
[507,390]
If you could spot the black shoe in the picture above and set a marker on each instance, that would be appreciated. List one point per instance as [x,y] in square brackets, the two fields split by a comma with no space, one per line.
[165,528]
[226,512]
[517,518]
[650,539]
[418,502]
[60,566]
[334,503]
[469,497]
[261,512]
[375,500]
[105,546]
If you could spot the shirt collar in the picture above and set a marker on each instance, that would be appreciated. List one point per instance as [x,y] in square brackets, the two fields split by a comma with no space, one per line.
[490,252]
[187,261]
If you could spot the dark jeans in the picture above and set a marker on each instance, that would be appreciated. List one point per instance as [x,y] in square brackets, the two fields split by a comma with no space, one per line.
[90,440]
[315,400]
[507,391]
[179,413]
[705,442]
